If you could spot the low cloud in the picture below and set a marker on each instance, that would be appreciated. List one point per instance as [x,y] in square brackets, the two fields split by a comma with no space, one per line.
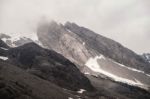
[126,21]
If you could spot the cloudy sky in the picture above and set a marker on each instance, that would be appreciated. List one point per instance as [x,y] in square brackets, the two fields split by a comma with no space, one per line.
[126,21]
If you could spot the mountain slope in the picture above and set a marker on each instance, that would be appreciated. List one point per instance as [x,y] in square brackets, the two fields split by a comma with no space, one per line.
[17,81]
[18,84]
[109,48]
[48,65]
[52,69]
[81,45]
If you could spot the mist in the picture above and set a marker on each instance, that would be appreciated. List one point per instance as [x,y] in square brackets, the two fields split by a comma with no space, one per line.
[126,21]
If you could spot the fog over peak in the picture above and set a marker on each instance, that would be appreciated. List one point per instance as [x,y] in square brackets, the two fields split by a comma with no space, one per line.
[126,21]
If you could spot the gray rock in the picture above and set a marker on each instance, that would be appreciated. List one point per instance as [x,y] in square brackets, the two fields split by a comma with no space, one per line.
[78,44]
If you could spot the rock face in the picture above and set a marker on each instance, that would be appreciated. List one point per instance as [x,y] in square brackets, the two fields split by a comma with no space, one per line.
[146,56]
[49,65]
[58,38]
[3,45]
[16,83]
[85,48]
[79,44]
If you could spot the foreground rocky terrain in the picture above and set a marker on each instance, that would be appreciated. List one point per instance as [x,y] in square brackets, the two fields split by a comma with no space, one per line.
[16,83]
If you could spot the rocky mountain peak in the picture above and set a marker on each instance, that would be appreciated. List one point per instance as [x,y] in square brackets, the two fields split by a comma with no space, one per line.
[64,37]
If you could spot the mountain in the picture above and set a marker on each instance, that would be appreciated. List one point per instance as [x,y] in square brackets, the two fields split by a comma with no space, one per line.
[71,40]
[74,59]
[32,72]
[95,54]
[48,65]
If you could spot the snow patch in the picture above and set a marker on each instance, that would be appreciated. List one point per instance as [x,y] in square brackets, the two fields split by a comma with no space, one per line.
[3,58]
[83,43]
[17,36]
[95,66]
[81,91]
[68,30]
[87,73]
[4,39]
[3,48]
[133,69]
[70,98]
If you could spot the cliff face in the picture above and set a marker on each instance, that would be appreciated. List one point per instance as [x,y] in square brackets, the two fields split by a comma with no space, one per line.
[16,83]
[79,44]
[58,38]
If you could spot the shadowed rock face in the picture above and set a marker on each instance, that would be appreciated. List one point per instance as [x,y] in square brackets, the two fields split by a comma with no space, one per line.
[4,45]
[79,44]
[54,69]
[49,65]
[16,83]
[120,90]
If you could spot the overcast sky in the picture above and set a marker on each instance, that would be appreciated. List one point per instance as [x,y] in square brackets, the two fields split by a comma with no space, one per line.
[126,21]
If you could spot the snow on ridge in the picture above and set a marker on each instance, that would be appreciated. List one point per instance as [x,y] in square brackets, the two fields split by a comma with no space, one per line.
[133,69]
[95,66]
[17,36]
